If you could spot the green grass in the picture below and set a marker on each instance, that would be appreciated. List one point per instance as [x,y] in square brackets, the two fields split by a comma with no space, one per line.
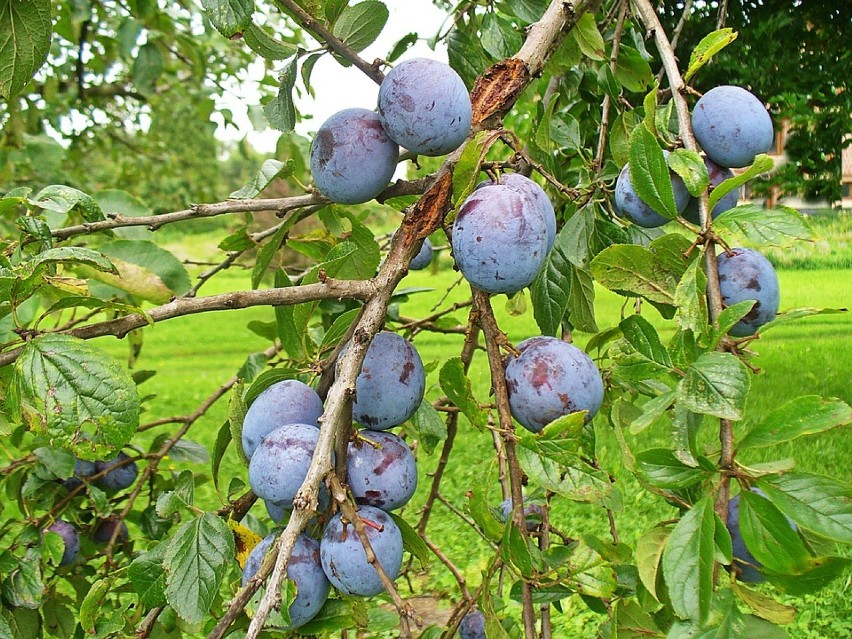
[194,355]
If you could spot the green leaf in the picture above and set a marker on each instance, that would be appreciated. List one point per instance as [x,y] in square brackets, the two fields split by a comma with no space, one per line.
[581,301]
[820,572]
[237,409]
[528,10]
[402,45]
[499,38]
[689,166]
[147,67]
[467,169]
[817,503]
[709,46]
[412,541]
[517,551]
[23,586]
[230,17]
[643,337]
[428,427]
[269,170]
[688,562]
[650,106]
[197,560]
[649,552]
[59,461]
[619,137]
[649,173]
[575,237]
[124,204]
[769,536]
[223,440]
[690,299]
[762,163]
[360,25]
[91,610]
[268,251]
[778,226]
[280,112]
[764,606]
[660,467]
[482,515]
[550,291]
[652,410]
[456,385]
[266,46]
[183,496]
[586,33]
[715,384]
[465,56]
[591,573]
[64,199]
[338,329]
[71,255]
[806,415]
[577,482]
[77,395]
[148,577]
[632,70]
[793,314]
[25,34]
[59,620]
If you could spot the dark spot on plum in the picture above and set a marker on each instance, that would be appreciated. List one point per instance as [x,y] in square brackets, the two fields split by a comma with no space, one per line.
[540,374]
[407,369]
[406,101]
[753,284]
[324,147]
[753,314]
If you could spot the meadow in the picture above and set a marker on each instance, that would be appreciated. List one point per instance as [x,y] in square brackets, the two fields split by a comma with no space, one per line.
[194,355]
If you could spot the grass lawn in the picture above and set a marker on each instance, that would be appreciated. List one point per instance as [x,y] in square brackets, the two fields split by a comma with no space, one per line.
[194,355]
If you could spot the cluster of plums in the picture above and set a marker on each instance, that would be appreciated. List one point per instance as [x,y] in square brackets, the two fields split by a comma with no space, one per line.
[280,434]
[118,475]
[733,127]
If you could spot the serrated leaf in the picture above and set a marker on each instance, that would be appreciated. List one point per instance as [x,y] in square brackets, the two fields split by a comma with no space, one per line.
[477,507]
[649,552]
[575,237]
[642,336]
[691,168]
[456,385]
[715,384]
[709,46]
[266,46]
[412,541]
[778,226]
[196,561]
[591,573]
[649,173]
[819,573]
[586,33]
[578,481]
[688,562]
[806,415]
[660,467]
[236,414]
[360,25]
[280,112]
[23,587]
[619,137]
[148,577]
[764,606]
[467,168]
[25,35]
[690,299]
[632,70]
[499,38]
[650,105]
[550,291]
[65,199]
[268,251]
[428,427]
[465,56]
[230,17]
[269,170]
[147,67]
[581,301]
[91,610]
[70,388]
[762,163]
[793,314]
[769,536]
[652,410]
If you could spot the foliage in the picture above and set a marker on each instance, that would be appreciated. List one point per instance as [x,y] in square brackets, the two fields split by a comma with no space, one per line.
[80,261]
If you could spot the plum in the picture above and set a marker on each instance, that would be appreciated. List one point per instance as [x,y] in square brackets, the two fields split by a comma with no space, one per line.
[500,239]
[391,383]
[472,626]
[532,512]
[82,470]
[285,402]
[344,560]
[745,274]
[732,126]
[303,568]
[103,533]
[551,378]
[352,157]
[718,174]
[748,568]
[533,191]
[119,475]
[70,537]
[381,470]
[280,464]
[423,257]
[425,107]
[628,203]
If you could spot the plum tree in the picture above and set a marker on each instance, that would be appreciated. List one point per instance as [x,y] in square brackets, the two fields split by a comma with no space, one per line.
[533,191]
[745,274]
[628,203]
[425,107]
[423,257]
[304,569]
[391,384]
[119,475]
[500,239]
[732,126]
[551,378]
[105,529]
[280,464]
[472,625]
[344,559]
[718,174]
[286,402]
[352,157]
[381,470]
[70,537]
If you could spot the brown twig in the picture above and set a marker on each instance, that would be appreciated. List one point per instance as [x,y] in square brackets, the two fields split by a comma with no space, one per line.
[613,63]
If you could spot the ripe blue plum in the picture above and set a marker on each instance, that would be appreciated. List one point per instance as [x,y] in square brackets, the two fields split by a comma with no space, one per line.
[352,157]
[425,107]
[533,191]
[303,567]
[381,470]
[732,126]
[551,378]
[103,533]
[745,274]
[628,203]
[82,470]
[500,239]
[119,475]
[472,626]
[286,402]
[344,560]
[280,464]
[70,537]
[423,257]
[748,568]
[718,174]
[532,512]
[391,383]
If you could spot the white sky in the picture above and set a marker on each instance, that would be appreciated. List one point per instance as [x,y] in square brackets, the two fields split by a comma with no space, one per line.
[336,87]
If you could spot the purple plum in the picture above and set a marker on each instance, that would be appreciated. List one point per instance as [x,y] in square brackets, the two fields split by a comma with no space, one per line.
[718,174]
[280,464]
[285,402]
[70,537]
[533,191]
[745,274]
[119,475]
[628,203]
[472,626]
[381,470]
